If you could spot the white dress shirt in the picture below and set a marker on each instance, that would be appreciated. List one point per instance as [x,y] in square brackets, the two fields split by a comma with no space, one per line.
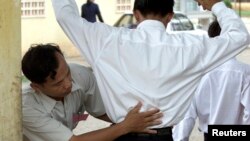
[147,64]
[222,97]
[45,119]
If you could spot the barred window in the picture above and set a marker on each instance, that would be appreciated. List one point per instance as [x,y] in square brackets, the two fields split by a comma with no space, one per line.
[123,6]
[33,8]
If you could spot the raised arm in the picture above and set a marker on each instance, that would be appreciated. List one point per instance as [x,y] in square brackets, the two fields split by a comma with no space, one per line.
[86,36]
[99,15]
[233,39]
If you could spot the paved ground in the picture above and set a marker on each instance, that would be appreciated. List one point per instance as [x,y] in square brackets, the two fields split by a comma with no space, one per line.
[94,124]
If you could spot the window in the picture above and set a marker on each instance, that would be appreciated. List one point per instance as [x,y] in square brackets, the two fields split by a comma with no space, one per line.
[123,6]
[177,5]
[186,6]
[33,8]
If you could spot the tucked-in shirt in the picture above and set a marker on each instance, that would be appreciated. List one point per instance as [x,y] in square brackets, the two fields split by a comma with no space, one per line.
[222,97]
[45,119]
[147,64]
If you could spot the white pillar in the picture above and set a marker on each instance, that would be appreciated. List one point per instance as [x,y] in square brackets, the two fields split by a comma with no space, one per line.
[10,64]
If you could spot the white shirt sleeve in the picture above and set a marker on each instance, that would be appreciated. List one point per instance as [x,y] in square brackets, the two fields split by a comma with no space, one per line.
[86,36]
[90,38]
[245,101]
[228,43]
[200,101]
[183,129]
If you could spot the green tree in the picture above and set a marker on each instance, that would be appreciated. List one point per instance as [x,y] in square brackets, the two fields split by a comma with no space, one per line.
[228,3]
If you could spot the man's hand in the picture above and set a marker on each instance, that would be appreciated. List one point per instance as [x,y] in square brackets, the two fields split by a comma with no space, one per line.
[137,121]
[207,4]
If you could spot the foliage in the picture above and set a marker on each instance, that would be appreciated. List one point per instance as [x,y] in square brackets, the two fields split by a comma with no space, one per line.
[228,3]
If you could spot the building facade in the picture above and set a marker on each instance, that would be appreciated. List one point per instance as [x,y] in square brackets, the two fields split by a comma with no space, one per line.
[39,24]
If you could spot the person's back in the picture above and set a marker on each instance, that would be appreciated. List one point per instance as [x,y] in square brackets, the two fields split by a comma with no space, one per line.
[227,89]
[90,10]
[222,97]
[148,64]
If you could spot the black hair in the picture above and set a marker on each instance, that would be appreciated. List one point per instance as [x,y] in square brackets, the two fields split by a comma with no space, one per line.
[40,61]
[214,29]
[155,7]
[89,2]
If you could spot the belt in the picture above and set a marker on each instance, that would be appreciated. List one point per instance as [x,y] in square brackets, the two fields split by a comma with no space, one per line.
[160,132]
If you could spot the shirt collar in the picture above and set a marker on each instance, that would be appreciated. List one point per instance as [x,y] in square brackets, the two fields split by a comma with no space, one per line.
[149,24]
[49,103]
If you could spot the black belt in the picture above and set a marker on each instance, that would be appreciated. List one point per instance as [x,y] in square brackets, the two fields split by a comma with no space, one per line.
[160,132]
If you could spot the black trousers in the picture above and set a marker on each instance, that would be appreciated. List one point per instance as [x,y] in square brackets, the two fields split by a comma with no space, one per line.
[163,134]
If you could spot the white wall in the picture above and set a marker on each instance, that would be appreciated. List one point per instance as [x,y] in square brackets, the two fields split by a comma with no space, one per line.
[46,30]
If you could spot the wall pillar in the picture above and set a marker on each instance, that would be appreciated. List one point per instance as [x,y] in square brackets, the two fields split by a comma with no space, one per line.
[10,72]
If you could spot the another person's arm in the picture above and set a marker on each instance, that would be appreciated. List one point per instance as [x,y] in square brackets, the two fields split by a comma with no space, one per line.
[134,122]
[40,126]
[245,101]
[82,12]
[99,15]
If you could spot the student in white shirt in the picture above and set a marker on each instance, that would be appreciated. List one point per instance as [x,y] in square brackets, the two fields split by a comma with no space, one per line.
[59,95]
[222,97]
[147,64]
